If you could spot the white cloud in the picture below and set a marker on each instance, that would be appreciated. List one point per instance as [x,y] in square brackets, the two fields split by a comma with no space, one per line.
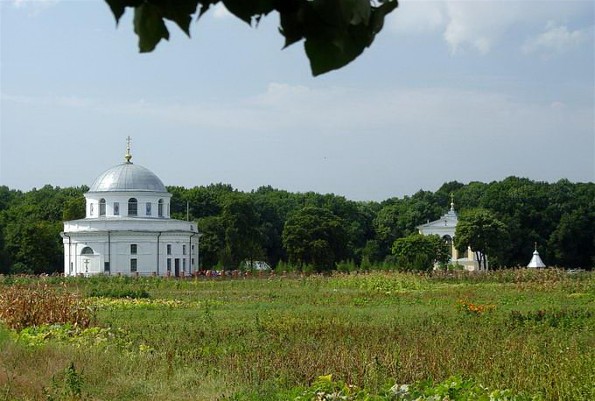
[419,17]
[557,39]
[34,7]
[480,25]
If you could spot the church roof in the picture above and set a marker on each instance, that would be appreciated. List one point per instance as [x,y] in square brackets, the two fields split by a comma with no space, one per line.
[536,260]
[127,177]
[449,220]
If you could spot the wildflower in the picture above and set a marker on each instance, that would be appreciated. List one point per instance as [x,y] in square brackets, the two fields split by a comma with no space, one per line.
[400,390]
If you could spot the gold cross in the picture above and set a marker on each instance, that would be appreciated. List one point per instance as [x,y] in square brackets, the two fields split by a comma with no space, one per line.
[128,156]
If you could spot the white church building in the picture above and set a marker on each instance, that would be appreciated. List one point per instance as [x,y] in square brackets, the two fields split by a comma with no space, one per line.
[128,230]
[445,227]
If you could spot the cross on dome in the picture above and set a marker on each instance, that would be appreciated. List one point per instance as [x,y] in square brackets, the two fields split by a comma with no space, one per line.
[128,156]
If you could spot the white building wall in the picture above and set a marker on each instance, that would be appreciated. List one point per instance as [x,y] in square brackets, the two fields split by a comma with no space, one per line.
[116,250]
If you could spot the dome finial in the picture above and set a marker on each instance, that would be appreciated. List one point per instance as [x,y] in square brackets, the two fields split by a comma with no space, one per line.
[128,156]
[452,201]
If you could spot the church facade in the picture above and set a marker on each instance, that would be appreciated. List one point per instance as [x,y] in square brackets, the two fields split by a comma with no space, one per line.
[445,227]
[128,230]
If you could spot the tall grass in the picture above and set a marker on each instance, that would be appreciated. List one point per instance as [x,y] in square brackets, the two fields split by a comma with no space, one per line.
[257,339]
[24,306]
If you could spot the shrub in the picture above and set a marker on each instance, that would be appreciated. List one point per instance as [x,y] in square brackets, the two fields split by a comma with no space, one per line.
[118,293]
[22,306]
[552,318]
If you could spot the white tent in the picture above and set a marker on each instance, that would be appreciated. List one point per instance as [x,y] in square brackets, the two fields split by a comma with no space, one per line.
[536,260]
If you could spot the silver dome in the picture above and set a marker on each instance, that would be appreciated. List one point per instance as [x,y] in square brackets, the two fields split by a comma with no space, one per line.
[127,177]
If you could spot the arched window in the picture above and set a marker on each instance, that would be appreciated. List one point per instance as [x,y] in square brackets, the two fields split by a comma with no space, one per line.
[101,207]
[132,207]
[87,251]
[160,208]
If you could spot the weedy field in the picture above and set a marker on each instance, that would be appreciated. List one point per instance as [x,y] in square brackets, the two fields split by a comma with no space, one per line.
[508,335]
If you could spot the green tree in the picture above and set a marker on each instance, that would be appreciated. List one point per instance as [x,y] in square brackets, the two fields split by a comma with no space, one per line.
[242,234]
[483,232]
[573,241]
[420,252]
[74,208]
[31,240]
[314,235]
[212,241]
[335,32]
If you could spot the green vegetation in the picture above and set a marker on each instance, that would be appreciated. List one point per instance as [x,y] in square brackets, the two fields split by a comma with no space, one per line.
[421,252]
[504,335]
[483,232]
[277,226]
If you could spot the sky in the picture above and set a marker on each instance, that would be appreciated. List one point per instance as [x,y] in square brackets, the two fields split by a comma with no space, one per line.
[449,91]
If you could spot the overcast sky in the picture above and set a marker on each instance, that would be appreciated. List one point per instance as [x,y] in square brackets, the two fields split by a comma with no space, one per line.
[450,90]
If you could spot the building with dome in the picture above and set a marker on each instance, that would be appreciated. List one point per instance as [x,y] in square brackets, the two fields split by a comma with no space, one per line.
[446,227]
[128,230]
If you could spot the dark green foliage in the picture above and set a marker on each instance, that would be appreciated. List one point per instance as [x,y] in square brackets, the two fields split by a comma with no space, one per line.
[316,236]
[483,232]
[237,226]
[335,31]
[418,252]
[30,226]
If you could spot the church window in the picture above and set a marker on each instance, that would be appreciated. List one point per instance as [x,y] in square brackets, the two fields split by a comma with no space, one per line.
[133,265]
[90,209]
[168,264]
[160,208]
[184,265]
[102,207]
[133,249]
[192,262]
[132,207]
[87,251]
[148,209]
[116,208]
[169,249]
[183,249]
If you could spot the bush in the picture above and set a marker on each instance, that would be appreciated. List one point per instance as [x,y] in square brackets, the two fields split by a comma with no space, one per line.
[118,293]
[22,306]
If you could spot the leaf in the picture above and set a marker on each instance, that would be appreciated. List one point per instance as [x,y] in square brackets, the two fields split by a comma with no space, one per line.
[360,11]
[332,43]
[149,26]
[180,11]
[326,379]
[119,6]
[247,10]
[291,20]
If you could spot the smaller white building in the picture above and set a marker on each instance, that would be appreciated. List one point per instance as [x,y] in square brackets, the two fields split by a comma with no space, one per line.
[128,230]
[446,227]
[536,261]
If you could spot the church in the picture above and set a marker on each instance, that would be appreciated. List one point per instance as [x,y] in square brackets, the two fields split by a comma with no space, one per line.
[128,230]
[445,227]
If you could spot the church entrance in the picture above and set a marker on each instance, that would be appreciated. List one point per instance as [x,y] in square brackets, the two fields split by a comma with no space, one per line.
[177,267]
[88,262]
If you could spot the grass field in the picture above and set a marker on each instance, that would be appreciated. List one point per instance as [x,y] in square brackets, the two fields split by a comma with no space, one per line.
[525,331]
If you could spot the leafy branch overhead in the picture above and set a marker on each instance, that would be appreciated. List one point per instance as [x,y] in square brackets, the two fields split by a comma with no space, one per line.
[335,31]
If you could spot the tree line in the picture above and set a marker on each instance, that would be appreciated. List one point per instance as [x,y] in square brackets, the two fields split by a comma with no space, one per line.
[326,231]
